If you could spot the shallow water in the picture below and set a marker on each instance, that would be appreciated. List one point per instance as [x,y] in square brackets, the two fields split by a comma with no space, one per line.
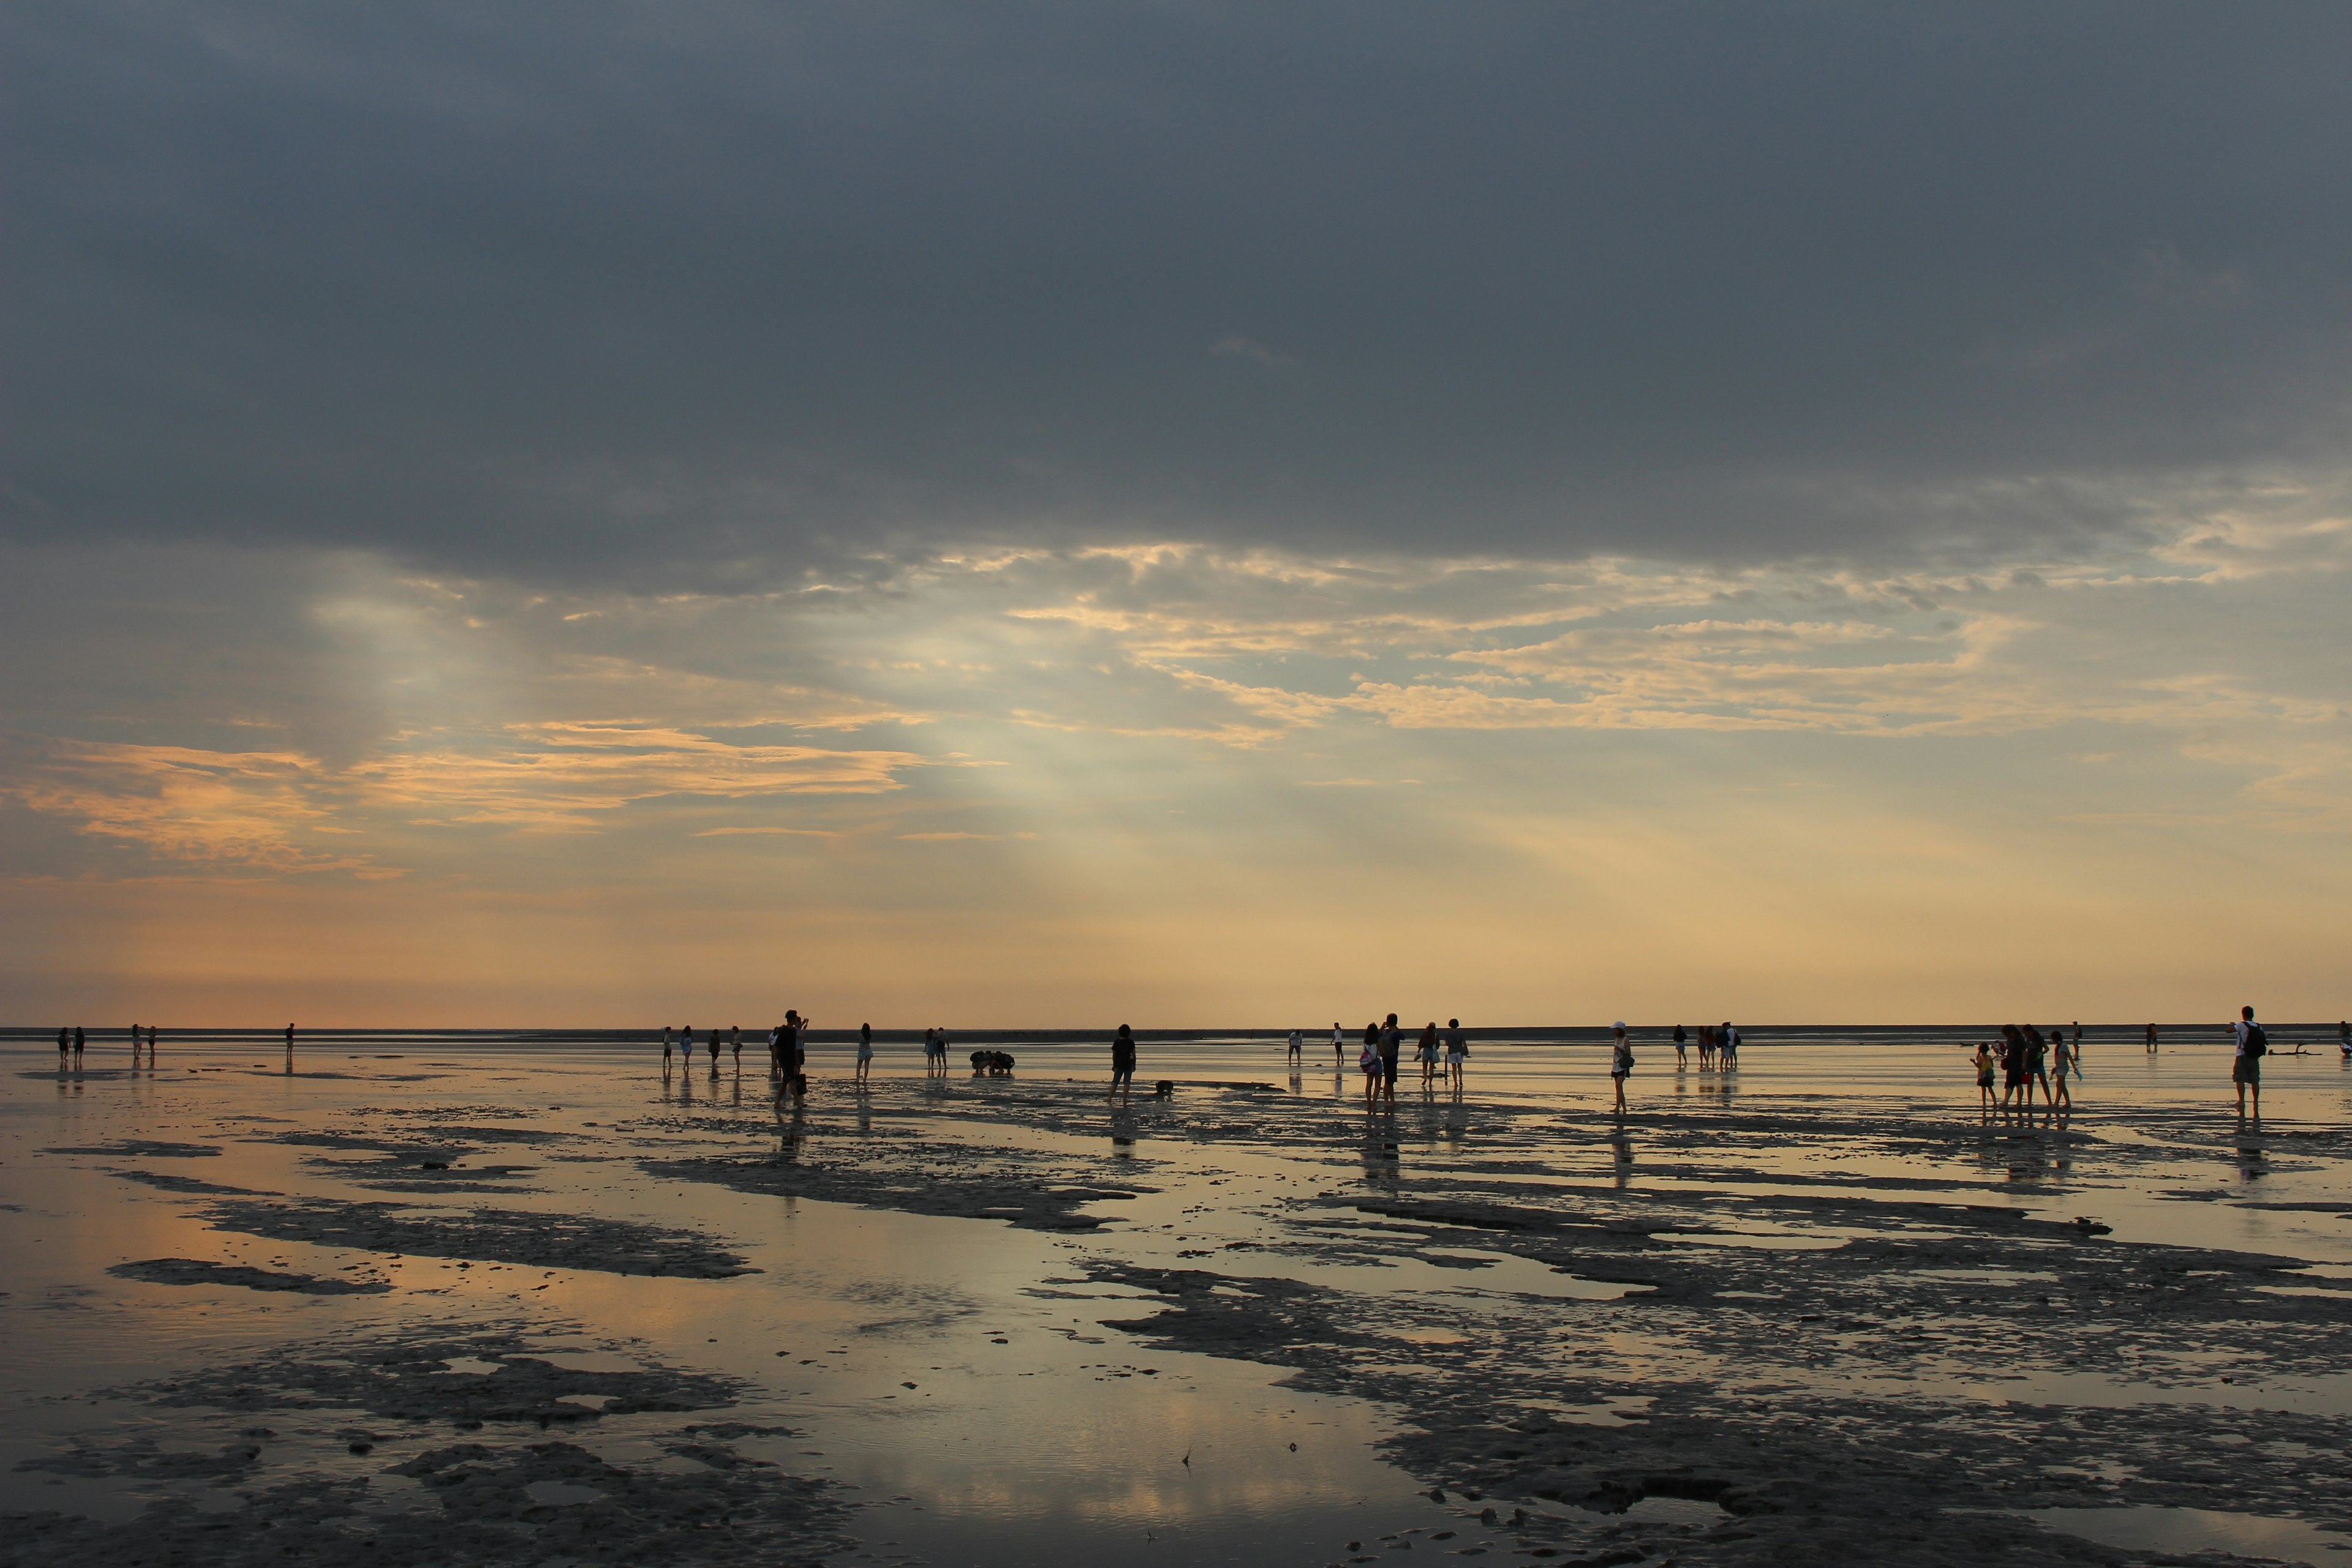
[954,1376]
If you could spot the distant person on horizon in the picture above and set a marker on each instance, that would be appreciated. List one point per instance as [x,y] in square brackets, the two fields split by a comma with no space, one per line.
[735,1038]
[64,1046]
[2151,1039]
[2343,1036]
[80,1041]
[2246,1067]
[289,1039]
[1682,1052]
[1122,1064]
[1339,1047]
[1621,1063]
[1457,1051]
[865,1051]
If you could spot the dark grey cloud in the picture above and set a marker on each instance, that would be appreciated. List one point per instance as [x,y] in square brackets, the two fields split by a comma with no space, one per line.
[699,292]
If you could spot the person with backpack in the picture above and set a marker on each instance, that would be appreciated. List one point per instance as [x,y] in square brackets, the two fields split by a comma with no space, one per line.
[2246,1067]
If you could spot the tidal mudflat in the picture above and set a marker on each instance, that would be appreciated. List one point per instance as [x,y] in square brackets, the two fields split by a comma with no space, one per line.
[458,1302]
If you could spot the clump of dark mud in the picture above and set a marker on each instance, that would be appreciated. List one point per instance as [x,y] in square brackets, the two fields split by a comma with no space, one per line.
[536,1503]
[503,1236]
[142,1149]
[1028,1188]
[171,1184]
[196,1271]
[411,1377]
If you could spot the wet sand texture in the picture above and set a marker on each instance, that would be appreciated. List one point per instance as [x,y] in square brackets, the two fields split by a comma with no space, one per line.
[504,1235]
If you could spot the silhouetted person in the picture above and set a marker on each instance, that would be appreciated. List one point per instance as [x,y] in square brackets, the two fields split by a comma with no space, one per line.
[1122,1064]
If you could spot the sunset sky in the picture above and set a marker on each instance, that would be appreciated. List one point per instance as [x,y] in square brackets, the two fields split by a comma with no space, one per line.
[615,514]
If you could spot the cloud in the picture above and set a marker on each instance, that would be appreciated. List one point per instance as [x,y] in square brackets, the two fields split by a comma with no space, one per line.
[737,298]
[250,810]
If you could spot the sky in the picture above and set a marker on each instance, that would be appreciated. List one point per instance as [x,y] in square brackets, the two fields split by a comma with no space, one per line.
[1195,514]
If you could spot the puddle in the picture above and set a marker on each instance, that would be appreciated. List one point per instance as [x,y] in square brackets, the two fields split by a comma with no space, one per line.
[2187,1529]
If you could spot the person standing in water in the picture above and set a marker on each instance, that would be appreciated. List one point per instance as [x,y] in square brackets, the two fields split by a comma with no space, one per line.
[1298,1052]
[2062,1053]
[1621,1063]
[2151,1039]
[2246,1065]
[1339,1047]
[1726,1046]
[1369,1062]
[1425,1053]
[1682,1042]
[1122,1064]
[865,1051]
[735,1038]
[665,1047]
[1983,1061]
[1391,1046]
[1457,1051]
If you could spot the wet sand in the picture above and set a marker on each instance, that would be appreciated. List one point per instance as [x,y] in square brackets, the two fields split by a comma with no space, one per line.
[541,1304]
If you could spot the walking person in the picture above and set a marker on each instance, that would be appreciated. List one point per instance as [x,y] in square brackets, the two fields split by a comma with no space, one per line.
[1457,1051]
[865,1052]
[1621,1063]
[1682,1054]
[735,1038]
[1426,1052]
[2062,1054]
[1122,1065]
[2246,1067]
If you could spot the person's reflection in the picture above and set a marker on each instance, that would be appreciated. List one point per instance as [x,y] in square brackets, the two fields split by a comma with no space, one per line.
[1457,1122]
[686,1085]
[735,1098]
[1122,1133]
[1298,1084]
[1621,1145]
[792,1127]
[1383,1162]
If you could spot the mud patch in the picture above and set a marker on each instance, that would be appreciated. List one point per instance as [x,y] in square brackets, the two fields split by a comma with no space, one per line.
[503,1236]
[196,1271]
[430,1377]
[142,1149]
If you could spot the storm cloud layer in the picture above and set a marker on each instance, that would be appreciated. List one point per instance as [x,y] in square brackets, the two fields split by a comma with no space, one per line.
[709,295]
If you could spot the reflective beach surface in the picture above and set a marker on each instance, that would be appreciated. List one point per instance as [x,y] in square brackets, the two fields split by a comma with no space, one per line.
[425,1299]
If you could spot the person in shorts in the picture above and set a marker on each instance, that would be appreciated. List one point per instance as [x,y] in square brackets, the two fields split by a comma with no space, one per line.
[865,1051]
[1620,1062]
[1457,1051]
[2246,1065]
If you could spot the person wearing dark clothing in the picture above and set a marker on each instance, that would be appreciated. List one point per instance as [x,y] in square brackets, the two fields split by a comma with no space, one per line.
[1122,1063]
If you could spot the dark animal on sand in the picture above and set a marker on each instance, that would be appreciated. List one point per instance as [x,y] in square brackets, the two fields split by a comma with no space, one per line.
[995,1064]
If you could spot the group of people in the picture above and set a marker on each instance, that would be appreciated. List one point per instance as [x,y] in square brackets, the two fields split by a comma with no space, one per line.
[73,1042]
[1382,1055]
[1718,1045]
[2026,1058]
